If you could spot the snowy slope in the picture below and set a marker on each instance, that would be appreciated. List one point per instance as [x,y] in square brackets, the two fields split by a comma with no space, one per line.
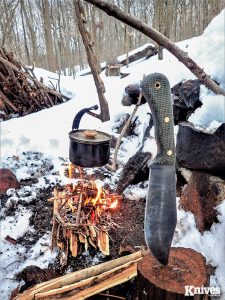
[46,132]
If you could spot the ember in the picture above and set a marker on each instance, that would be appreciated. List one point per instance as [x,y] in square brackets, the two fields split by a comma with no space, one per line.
[82,217]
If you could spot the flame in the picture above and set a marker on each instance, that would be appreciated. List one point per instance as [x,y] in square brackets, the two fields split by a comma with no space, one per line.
[95,195]
[70,170]
[114,204]
[95,200]
[70,204]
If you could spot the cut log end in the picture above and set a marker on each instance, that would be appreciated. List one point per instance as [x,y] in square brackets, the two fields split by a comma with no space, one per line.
[186,267]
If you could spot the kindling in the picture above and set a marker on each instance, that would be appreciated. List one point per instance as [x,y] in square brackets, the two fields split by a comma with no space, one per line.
[191,290]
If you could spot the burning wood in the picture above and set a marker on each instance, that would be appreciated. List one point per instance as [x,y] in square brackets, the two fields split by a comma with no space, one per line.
[82,217]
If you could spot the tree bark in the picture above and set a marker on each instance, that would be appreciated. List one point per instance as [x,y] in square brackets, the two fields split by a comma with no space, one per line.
[48,35]
[163,41]
[104,113]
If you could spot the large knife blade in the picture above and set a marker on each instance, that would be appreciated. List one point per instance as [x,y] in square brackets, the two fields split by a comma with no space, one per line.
[160,211]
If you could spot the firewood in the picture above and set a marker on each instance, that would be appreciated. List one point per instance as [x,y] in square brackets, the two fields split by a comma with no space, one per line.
[20,90]
[10,240]
[123,273]
[111,296]
[92,232]
[103,242]
[73,243]
[6,101]
[78,276]
[116,279]
[77,211]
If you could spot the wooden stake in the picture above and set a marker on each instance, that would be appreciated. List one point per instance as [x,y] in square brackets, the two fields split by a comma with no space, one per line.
[113,167]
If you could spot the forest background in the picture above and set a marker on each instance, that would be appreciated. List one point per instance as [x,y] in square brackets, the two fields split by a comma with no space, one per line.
[44,33]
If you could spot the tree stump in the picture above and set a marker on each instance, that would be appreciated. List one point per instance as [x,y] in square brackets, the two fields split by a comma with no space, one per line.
[186,268]
[113,70]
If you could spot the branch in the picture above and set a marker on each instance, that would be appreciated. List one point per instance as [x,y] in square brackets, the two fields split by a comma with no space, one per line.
[114,162]
[113,10]
[104,113]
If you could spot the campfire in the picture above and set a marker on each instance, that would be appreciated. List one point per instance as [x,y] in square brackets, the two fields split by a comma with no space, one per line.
[82,217]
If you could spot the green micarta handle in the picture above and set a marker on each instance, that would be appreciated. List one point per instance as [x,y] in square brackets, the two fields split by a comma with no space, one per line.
[156,90]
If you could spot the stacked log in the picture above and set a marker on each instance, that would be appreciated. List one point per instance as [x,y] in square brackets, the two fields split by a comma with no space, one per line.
[202,153]
[21,93]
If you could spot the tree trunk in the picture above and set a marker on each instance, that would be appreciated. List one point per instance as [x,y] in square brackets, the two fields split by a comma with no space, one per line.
[48,35]
[186,268]
[104,113]
[31,31]
[25,37]
[163,41]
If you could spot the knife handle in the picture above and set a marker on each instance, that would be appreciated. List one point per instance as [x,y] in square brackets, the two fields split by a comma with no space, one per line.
[156,90]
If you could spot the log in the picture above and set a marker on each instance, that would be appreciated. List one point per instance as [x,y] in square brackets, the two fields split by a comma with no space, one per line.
[162,40]
[198,150]
[200,196]
[78,276]
[125,275]
[186,267]
[147,52]
[135,170]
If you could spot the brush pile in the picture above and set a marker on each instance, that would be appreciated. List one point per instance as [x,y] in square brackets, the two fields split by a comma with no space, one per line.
[21,93]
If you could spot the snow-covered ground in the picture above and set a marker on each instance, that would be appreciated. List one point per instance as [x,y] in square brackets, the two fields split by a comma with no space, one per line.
[46,133]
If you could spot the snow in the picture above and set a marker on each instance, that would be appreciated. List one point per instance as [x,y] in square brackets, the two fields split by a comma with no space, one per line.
[211,244]
[43,136]
[213,106]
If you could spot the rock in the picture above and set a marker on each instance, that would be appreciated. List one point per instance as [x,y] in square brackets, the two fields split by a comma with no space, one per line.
[8,180]
[135,170]
[186,99]
[132,94]
[189,93]
[32,275]
[198,150]
[201,195]
[180,113]
[127,100]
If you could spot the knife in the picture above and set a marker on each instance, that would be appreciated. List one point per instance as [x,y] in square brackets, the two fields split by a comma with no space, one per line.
[160,211]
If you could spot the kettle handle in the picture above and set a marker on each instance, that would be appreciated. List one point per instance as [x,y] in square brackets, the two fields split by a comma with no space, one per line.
[79,115]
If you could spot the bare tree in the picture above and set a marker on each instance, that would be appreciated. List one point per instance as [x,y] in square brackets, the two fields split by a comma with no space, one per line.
[48,35]
[163,41]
